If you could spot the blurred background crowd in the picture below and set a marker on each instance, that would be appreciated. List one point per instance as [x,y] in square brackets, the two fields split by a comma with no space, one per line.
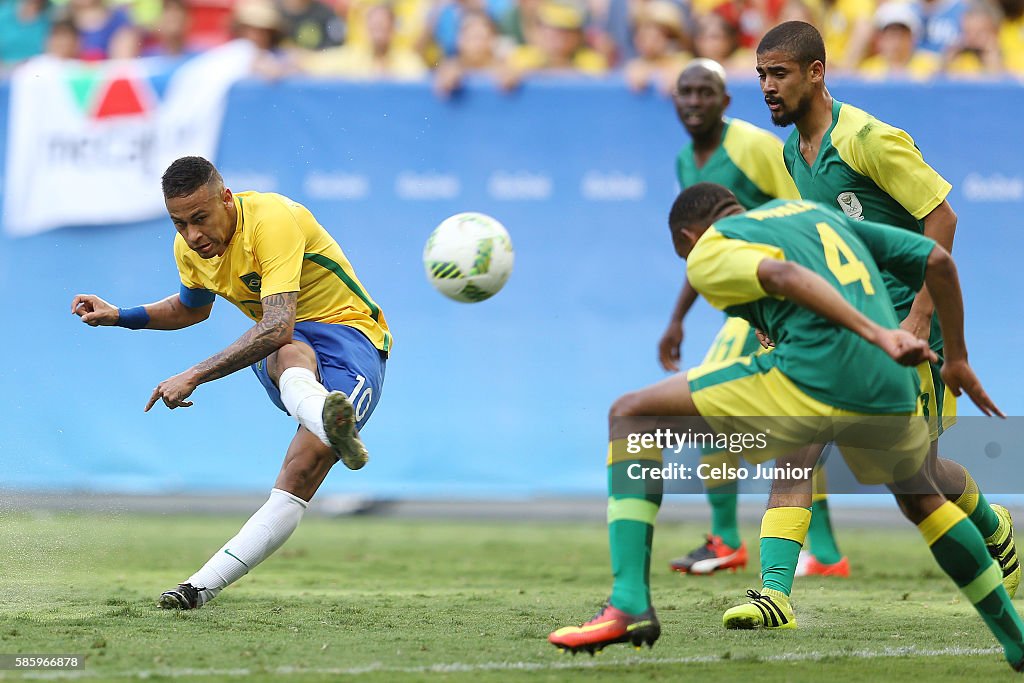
[646,42]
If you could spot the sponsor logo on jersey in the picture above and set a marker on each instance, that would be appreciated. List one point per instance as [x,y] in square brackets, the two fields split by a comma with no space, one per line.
[850,205]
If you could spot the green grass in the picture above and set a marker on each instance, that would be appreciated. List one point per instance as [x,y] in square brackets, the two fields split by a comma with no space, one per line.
[402,600]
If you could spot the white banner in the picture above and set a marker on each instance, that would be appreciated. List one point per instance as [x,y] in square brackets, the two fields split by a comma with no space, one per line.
[87,143]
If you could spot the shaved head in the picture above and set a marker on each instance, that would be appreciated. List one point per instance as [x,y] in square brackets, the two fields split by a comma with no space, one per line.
[706,65]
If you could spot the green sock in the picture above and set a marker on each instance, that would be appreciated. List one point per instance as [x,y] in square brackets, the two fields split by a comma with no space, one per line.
[782,533]
[632,508]
[723,501]
[960,551]
[821,542]
[984,517]
[972,502]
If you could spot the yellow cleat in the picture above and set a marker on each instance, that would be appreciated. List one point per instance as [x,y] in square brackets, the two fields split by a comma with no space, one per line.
[767,609]
[1004,551]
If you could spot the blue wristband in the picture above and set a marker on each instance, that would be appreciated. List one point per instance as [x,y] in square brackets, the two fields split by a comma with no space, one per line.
[133,318]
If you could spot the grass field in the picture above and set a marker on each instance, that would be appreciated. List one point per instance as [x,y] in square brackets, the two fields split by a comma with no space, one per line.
[401,600]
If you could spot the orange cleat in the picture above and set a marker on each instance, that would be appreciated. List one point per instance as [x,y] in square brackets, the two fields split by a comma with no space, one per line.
[608,626]
[713,556]
[808,565]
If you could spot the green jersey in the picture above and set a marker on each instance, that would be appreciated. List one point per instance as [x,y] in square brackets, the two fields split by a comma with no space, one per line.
[827,362]
[748,161]
[871,171]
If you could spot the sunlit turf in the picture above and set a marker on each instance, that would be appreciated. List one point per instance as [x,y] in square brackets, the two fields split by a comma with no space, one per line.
[395,600]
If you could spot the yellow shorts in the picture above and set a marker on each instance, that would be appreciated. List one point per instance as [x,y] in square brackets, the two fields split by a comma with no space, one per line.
[734,397]
[936,404]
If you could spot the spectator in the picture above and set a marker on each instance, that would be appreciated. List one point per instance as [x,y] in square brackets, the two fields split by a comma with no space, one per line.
[409,21]
[978,51]
[1011,35]
[476,52]
[751,18]
[259,22]
[797,10]
[610,29]
[381,58]
[126,43]
[444,22]
[169,34]
[898,27]
[24,25]
[63,41]
[311,25]
[601,32]
[718,40]
[521,22]
[99,27]
[847,28]
[559,46]
[660,39]
[940,24]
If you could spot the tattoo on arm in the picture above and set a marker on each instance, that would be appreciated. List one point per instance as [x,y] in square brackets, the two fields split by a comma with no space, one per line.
[265,337]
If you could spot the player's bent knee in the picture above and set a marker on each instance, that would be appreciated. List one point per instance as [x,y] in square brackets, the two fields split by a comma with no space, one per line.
[291,355]
[917,506]
[627,405]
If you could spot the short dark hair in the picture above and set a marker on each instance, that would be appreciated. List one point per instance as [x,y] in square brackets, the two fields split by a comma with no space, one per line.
[188,174]
[700,203]
[797,38]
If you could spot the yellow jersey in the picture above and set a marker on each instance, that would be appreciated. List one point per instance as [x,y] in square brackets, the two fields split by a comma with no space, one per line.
[278,247]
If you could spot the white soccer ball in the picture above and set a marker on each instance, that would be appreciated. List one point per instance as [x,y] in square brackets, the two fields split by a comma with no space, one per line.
[468,257]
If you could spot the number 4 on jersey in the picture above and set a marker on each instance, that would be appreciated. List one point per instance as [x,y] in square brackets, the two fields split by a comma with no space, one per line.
[841,260]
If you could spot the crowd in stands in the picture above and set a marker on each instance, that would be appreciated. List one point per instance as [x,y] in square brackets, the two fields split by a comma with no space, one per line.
[646,41]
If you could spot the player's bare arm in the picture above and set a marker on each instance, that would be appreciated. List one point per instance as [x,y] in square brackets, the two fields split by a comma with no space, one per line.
[940,225]
[672,339]
[943,282]
[808,289]
[265,337]
[166,314]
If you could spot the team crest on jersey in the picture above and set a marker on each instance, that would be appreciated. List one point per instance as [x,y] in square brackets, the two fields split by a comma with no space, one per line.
[252,281]
[850,205]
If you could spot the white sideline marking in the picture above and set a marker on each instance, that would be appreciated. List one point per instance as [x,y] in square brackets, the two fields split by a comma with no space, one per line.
[459,667]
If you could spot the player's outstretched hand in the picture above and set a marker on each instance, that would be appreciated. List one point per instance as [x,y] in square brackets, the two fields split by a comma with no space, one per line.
[173,391]
[94,310]
[960,378]
[905,348]
[668,347]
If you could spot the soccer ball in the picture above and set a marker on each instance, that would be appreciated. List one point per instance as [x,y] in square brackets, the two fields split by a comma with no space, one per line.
[468,257]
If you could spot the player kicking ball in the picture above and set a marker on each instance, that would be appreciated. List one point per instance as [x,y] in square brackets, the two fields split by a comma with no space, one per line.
[319,346]
[809,277]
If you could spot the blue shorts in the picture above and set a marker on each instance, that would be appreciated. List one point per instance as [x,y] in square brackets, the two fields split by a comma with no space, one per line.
[347,361]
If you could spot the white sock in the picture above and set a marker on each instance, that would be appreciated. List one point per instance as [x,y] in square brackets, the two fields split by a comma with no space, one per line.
[304,398]
[265,532]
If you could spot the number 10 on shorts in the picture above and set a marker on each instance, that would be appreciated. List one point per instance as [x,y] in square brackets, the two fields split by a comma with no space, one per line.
[361,397]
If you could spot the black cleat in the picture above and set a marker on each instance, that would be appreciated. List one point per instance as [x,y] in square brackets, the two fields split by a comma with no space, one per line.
[185,596]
